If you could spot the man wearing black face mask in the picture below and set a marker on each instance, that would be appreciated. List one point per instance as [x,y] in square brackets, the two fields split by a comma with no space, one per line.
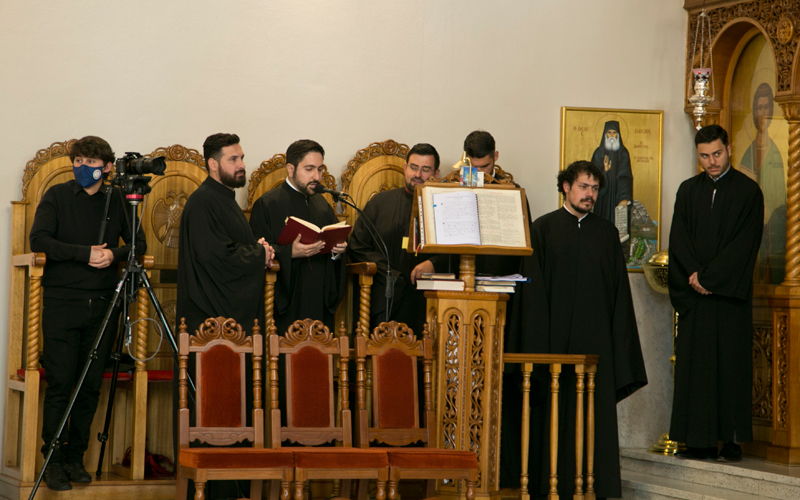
[79,279]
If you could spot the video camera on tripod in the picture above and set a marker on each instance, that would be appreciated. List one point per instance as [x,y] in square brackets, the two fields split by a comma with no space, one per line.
[132,170]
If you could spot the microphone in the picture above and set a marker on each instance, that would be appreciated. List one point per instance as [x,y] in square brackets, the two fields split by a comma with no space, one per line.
[320,189]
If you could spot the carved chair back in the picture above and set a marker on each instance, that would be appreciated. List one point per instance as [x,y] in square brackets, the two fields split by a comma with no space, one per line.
[394,350]
[376,168]
[161,218]
[311,354]
[220,346]
[272,173]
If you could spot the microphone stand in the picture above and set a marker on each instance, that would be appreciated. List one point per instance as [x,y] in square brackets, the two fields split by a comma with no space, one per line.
[338,196]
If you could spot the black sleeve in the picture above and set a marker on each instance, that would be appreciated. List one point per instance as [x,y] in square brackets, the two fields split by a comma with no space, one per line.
[45,228]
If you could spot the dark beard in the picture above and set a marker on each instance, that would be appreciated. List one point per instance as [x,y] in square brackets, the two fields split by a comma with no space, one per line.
[230,180]
[306,189]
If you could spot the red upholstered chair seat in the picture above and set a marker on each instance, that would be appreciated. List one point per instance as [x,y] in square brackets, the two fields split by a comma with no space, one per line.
[431,458]
[339,458]
[235,458]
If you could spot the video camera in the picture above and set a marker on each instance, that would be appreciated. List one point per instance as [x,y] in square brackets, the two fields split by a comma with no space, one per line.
[131,172]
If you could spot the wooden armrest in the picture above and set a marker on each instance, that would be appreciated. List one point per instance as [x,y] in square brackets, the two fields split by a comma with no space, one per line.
[33,259]
[147,261]
[274,268]
[368,268]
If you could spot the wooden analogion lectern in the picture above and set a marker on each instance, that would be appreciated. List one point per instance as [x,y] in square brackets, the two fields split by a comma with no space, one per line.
[467,327]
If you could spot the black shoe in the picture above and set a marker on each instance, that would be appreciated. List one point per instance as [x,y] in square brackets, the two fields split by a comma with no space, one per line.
[77,473]
[697,453]
[55,477]
[730,452]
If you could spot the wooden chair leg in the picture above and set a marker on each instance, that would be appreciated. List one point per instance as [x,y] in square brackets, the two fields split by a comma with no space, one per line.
[274,490]
[181,486]
[298,489]
[255,489]
[307,489]
[579,388]
[362,489]
[199,490]
[555,371]
[344,490]
[430,488]
[470,490]
[392,489]
[285,486]
[380,492]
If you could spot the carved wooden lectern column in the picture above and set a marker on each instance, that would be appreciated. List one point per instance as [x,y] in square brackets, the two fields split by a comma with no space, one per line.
[785,303]
[467,330]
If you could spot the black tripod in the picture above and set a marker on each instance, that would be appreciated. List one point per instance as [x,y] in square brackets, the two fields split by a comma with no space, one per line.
[133,277]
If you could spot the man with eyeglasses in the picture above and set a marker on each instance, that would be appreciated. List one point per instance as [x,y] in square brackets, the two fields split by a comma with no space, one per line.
[390,211]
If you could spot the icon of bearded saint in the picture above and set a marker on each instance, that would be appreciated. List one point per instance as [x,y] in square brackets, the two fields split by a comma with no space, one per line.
[167,218]
[613,159]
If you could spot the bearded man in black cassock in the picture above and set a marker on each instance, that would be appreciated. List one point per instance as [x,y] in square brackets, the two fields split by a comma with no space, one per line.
[713,244]
[613,159]
[577,302]
[310,284]
[221,265]
[390,211]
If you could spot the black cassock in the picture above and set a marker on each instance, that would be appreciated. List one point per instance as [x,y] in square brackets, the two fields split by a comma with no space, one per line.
[577,302]
[220,264]
[716,232]
[306,287]
[390,211]
[619,179]
[220,273]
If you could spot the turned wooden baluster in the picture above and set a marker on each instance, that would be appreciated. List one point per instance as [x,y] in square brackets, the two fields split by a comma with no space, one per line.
[526,429]
[580,373]
[555,371]
[591,370]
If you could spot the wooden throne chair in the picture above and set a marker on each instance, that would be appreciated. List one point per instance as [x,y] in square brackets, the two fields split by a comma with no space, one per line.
[374,169]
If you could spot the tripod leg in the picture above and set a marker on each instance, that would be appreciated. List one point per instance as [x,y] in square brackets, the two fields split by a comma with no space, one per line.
[103,436]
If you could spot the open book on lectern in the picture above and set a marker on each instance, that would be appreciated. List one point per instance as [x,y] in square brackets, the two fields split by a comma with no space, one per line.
[472,216]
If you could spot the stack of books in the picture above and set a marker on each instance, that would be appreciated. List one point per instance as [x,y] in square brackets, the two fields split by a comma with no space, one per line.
[440,282]
[498,284]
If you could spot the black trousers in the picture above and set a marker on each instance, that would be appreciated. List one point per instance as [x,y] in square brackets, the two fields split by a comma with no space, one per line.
[70,327]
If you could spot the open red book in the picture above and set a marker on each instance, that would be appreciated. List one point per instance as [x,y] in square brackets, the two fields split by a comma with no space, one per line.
[332,235]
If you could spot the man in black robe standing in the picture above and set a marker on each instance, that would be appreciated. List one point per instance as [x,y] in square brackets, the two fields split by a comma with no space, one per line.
[310,284]
[221,265]
[713,244]
[390,212]
[613,159]
[578,302]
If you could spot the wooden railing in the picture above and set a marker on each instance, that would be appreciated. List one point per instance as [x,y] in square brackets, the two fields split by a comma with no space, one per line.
[585,370]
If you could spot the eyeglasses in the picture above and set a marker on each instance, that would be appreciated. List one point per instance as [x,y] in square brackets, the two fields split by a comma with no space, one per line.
[425,170]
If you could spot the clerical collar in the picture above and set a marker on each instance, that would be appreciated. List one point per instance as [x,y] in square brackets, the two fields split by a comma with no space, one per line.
[723,174]
[575,215]
[289,182]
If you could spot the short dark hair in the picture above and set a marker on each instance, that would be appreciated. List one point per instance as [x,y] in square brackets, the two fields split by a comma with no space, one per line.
[763,90]
[212,147]
[299,149]
[479,144]
[425,149]
[92,147]
[709,134]
[571,173]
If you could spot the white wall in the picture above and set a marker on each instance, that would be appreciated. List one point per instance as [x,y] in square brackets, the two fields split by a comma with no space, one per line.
[150,73]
